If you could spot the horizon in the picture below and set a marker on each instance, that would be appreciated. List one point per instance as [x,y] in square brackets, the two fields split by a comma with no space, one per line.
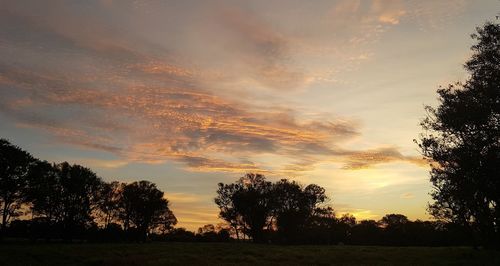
[187,95]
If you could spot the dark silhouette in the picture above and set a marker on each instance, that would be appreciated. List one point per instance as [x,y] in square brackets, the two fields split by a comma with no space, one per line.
[211,233]
[65,194]
[71,203]
[462,139]
[15,164]
[144,208]
[246,204]
[109,203]
[294,206]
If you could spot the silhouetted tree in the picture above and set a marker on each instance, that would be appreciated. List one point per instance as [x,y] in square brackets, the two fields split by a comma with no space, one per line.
[228,212]
[366,232]
[462,138]
[393,221]
[211,233]
[246,204]
[109,202]
[46,196]
[321,227]
[394,228]
[343,227]
[166,222]
[79,197]
[144,208]
[15,166]
[294,206]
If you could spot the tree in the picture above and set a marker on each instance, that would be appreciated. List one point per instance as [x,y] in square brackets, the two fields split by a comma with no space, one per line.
[15,166]
[65,194]
[45,191]
[80,190]
[393,221]
[246,204]
[462,139]
[294,206]
[108,202]
[144,207]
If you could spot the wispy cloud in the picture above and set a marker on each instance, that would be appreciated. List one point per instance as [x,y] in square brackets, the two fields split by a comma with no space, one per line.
[100,88]
[370,158]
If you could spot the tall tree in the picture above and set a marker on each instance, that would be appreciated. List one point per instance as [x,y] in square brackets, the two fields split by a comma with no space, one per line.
[247,203]
[108,202]
[462,139]
[294,206]
[15,165]
[65,194]
[145,208]
[45,192]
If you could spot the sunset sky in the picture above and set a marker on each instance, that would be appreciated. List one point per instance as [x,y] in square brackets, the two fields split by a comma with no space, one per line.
[187,94]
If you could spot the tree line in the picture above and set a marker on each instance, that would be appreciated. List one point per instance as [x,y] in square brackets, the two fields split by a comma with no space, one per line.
[60,201]
[287,212]
[64,201]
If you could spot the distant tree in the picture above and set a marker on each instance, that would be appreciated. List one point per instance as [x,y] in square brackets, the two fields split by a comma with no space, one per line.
[144,207]
[321,227]
[393,220]
[208,228]
[246,204]
[462,139]
[15,166]
[395,229]
[347,221]
[211,233]
[294,206]
[366,232]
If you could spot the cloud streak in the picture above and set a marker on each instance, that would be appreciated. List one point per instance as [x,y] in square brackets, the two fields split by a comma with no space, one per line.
[101,89]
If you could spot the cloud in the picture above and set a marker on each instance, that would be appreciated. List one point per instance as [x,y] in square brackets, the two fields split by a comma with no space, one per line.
[180,198]
[434,15]
[168,123]
[407,196]
[97,87]
[264,51]
[369,158]
[359,213]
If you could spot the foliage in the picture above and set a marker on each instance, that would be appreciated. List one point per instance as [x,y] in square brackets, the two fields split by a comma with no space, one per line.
[462,139]
[246,204]
[145,208]
[15,166]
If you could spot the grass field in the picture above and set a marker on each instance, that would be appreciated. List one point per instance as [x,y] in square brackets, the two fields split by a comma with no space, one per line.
[237,254]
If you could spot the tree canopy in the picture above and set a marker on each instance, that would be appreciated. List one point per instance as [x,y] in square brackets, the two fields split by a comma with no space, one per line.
[462,140]
[15,165]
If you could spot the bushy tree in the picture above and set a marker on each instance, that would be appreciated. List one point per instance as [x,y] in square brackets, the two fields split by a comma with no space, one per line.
[255,206]
[144,208]
[15,165]
[462,139]
[293,207]
[46,192]
[246,204]
[109,202]
[64,195]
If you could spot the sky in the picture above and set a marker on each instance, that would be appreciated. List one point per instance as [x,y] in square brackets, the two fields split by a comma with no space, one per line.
[188,94]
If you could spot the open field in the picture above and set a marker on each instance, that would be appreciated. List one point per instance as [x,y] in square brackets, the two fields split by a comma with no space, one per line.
[237,254]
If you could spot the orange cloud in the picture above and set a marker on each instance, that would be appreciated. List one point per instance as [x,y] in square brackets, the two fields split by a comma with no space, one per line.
[101,90]
[370,158]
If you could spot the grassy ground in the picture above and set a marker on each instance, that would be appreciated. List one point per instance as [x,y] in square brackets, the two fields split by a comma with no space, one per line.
[237,254]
